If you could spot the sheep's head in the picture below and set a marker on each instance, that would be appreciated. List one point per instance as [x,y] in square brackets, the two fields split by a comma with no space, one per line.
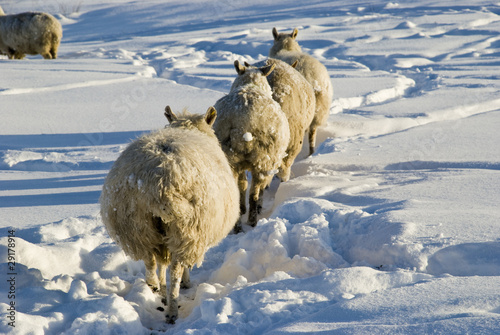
[187,120]
[252,75]
[284,41]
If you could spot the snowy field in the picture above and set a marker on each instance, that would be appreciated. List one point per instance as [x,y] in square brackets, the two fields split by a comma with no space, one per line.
[392,227]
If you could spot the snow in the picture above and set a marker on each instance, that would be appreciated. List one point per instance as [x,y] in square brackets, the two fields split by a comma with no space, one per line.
[391,227]
[247,137]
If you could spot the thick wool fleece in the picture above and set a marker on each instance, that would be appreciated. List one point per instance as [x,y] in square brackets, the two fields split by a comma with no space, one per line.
[287,49]
[177,175]
[254,134]
[297,100]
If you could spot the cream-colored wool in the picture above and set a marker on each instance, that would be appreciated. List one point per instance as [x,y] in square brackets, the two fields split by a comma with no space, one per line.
[287,49]
[297,100]
[169,197]
[253,132]
[29,33]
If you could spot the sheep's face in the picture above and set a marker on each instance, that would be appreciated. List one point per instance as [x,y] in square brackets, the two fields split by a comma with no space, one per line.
[186,120]
[252,76]
[283,41]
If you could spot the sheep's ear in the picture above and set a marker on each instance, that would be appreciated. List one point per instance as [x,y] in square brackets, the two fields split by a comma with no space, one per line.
[294,65]
[266,70]
[275,33]
[246,64]
[295,32]
[239,68]
[171,117]
[210,115]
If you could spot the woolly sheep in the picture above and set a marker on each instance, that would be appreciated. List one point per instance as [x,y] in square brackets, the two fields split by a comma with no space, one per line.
[29,33]
[169,197]
[253,132]
[287,49]
[296,98]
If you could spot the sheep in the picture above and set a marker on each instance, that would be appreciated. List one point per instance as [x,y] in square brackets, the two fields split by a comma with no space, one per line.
[287,49]
[169,197]
[29,33]
[297,100]
[254,134]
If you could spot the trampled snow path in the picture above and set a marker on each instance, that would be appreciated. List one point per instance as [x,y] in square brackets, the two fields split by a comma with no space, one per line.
[392,227]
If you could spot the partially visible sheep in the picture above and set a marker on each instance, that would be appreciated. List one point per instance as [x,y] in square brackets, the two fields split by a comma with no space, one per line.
[169,197]
[297,100]
[287,49]
[29,33]
[253,132]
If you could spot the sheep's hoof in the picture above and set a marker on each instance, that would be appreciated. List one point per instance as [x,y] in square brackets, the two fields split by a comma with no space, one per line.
[252,218]
[252,221]
[153,288]
[237,228]
[171,319]
[185,285]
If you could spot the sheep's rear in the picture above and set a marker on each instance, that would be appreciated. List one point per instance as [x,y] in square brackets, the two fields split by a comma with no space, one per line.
[169,197]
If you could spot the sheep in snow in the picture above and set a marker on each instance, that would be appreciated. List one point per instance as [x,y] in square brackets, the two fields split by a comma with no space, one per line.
[169,197]
[287,49]
[253,132]
[297,100]
[29,33]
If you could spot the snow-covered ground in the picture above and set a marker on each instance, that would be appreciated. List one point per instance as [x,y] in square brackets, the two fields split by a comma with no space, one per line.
[392,227]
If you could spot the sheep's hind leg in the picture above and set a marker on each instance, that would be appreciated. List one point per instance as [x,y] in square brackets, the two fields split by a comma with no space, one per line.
[11,53]
[285,169]
[256,199]
[162,276]
[53,52]
[176,271]
[186,280]
[46,52]
[243,185]
[163,259]
[312,138]
[151,277]
[255,208]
